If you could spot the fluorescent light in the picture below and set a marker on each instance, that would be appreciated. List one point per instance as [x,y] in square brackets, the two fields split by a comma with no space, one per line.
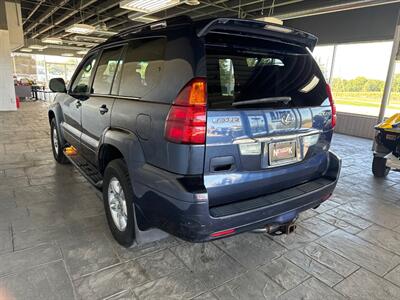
[278,29]
[81,29]
[148,6]
[67,54]
[89,38]
[142,19]
[25,50]
[37,47]
[82,52]
[271,20]
[52,40]
[106,32]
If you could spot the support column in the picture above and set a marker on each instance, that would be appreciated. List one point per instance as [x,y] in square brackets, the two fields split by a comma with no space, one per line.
[7,89]
[390,73]
[332,64]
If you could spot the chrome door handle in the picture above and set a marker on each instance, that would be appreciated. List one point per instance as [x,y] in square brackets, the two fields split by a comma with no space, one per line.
[103,109]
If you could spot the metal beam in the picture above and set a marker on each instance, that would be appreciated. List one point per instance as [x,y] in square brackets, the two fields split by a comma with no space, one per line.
[33,11]
[390,74]
[85,4]
[100,9]
[45,15]
[253,9]
[327,7]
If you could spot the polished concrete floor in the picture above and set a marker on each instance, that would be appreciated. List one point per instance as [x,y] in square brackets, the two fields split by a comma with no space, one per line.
[54,243]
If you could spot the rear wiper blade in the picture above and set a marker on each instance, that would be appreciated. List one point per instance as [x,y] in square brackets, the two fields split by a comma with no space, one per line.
[263,100]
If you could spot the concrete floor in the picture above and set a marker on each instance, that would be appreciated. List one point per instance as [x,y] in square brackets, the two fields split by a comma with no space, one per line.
[54,243]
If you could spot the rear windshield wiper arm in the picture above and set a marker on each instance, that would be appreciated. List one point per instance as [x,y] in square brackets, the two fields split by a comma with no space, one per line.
[263,100]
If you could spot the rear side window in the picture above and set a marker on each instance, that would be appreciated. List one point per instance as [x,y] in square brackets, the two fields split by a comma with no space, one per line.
[143,67]
[240,76]
[106,70]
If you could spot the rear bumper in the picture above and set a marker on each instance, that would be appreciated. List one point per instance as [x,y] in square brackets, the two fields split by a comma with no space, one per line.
[196,222]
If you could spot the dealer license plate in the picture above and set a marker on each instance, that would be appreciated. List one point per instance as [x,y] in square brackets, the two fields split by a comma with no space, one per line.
[281,153]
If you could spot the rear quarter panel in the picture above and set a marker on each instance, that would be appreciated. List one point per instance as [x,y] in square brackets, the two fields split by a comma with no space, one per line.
[146,117]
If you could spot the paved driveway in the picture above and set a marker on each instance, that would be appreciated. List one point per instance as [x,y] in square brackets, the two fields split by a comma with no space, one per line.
[54,243]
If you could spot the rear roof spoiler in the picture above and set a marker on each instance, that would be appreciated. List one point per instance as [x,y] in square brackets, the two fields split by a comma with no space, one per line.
[259,29]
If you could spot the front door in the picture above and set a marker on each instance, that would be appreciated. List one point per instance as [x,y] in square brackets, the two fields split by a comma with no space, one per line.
[72,106]
[71,125]
[96,110]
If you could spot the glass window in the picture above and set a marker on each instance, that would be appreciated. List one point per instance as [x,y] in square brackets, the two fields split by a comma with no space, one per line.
[235,76]
[359,76]
[143,67]
[81,82]
[324,56]
[108,64]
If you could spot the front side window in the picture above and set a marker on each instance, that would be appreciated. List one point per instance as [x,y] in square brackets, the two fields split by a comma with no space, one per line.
[143,67]
[82,80]
[108,66]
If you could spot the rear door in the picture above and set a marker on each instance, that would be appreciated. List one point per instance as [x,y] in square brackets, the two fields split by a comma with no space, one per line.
[268,121]
[96,110]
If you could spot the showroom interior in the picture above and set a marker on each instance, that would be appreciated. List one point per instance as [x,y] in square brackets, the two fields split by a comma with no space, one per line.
[54,238]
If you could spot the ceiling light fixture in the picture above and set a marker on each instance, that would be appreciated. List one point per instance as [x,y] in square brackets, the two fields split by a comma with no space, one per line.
[25,50]
[192,2]
[142,19]
[67,54]
[37,47]
[88,38]
[81,29]
[106,33]
[148,6]
[52,40]
[82,52]
[271,20]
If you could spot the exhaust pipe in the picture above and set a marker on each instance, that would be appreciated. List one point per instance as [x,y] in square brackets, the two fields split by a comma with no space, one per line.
[277,229]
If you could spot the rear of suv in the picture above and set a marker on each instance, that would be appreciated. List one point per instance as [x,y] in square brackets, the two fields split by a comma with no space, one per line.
[200,129]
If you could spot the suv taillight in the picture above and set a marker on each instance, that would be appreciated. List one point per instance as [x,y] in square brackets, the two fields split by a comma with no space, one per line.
[186,122]
[333,106]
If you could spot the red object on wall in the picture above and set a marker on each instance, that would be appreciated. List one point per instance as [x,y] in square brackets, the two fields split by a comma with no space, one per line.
[17,101]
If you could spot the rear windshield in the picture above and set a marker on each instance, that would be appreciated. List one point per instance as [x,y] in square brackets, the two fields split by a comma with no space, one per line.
[283,76]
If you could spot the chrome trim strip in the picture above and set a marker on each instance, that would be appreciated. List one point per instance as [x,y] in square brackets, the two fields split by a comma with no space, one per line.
[277,138]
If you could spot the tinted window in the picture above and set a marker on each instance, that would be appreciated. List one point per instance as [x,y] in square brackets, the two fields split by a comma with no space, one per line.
[81,82]
[143,67]
[107,67]
[240,75]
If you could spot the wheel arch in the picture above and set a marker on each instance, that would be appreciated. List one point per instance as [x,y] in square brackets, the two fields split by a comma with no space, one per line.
[120,143]
[55,112]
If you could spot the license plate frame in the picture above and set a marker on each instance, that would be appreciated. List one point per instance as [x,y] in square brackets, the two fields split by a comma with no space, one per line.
[283,152]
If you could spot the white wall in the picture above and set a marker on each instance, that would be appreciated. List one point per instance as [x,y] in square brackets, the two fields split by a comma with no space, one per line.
[356,125]
[7,90]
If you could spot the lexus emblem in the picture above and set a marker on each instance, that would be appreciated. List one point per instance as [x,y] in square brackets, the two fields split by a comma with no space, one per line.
[287,119]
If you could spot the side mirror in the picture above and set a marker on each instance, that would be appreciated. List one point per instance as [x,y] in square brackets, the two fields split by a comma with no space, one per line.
[57,85]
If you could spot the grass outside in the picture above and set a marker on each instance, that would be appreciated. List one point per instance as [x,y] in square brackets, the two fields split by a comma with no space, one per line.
[366,99]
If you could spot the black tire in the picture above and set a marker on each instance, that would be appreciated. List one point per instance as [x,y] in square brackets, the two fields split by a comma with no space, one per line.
[379,168]
[117,169]
[57,149]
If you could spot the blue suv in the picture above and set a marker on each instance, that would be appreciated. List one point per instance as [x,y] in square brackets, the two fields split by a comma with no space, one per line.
[199,129]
